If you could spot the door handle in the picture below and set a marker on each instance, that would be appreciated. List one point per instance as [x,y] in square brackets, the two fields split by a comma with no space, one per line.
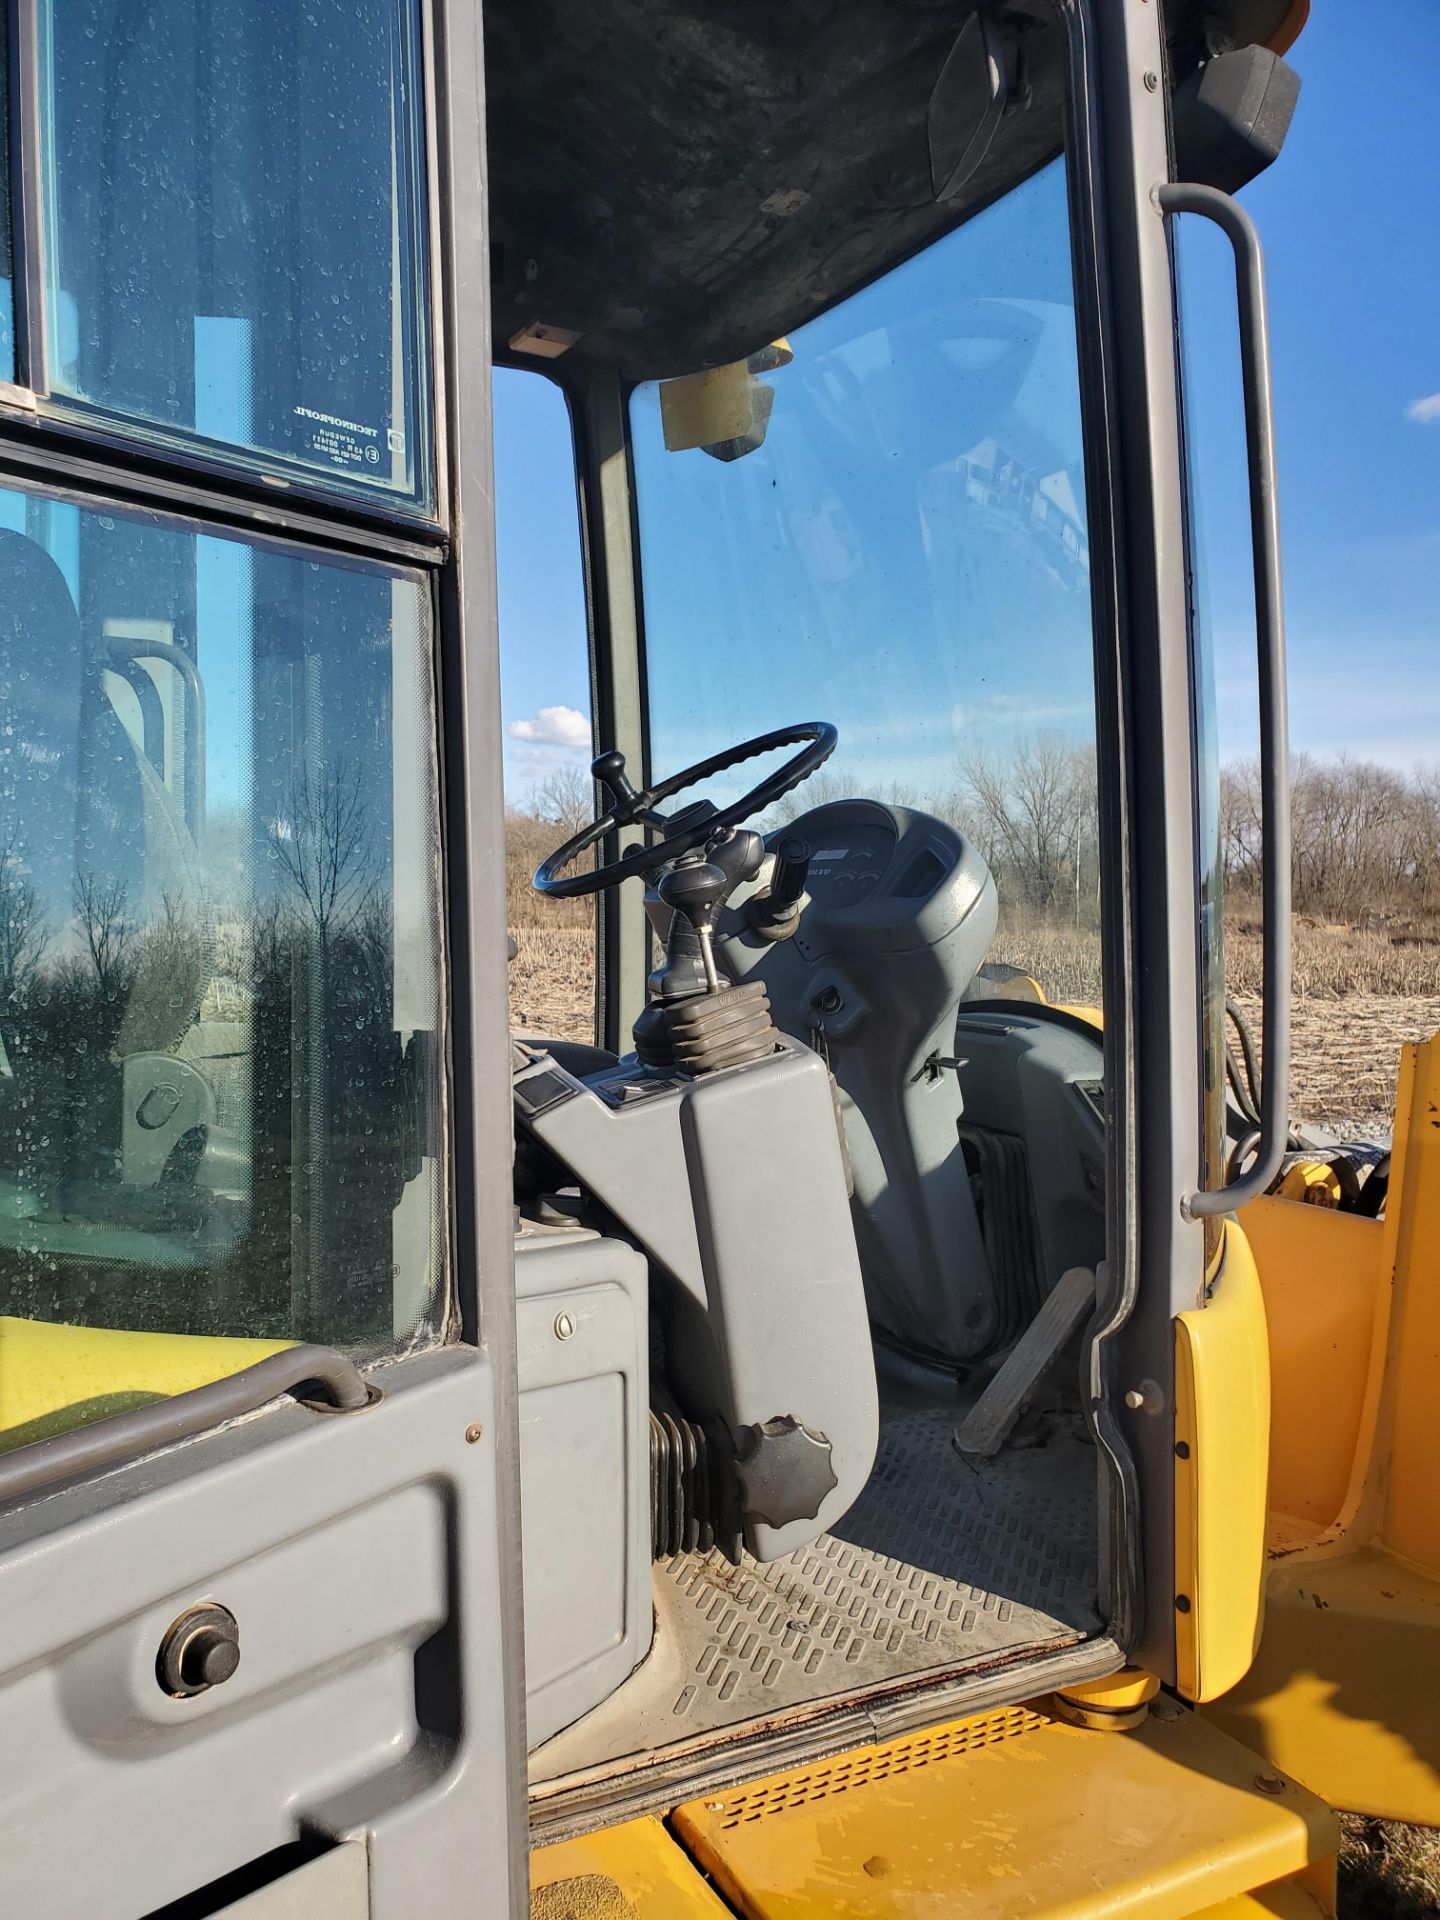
[182,1415]
[1227,214]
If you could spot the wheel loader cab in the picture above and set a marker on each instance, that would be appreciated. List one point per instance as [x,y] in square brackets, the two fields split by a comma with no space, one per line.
[411,1427]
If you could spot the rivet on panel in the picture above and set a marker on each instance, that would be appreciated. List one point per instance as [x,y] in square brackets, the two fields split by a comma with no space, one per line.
[564,1326]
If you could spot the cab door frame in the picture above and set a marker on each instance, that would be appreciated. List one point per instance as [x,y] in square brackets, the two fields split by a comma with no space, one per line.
[1156,1100]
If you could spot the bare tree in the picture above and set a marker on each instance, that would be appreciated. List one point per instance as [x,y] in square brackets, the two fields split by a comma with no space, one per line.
[103,909]
[23,935]
[566,800]
[1033,812]
[324,844]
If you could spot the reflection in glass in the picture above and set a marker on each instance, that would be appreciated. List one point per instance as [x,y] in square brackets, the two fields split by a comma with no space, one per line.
[906,554]
[7,244]
[235,250]
[219,968]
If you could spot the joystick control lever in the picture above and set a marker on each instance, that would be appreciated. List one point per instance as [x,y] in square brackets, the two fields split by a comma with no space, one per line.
[775,914]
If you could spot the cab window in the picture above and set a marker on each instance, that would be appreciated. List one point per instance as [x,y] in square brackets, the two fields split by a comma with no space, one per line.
[220,990]
[233,229]
[545,696]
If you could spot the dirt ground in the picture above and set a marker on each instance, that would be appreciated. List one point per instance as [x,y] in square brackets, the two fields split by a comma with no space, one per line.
[1388,1872]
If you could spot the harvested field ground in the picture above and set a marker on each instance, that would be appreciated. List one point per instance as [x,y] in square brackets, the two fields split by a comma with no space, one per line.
[552,981]
[1345,1054]
[1357,1000]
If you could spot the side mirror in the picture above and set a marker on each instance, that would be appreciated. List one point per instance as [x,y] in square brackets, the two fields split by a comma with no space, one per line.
[1231,117]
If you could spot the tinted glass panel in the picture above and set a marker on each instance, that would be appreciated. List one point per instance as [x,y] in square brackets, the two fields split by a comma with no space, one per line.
[233,225]
[219,955]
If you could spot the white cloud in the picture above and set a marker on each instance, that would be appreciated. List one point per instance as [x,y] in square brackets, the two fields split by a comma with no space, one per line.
[1425,409]
[554,727]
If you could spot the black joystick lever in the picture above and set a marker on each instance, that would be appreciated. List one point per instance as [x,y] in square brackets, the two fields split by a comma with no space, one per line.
[775,914]
[696,889]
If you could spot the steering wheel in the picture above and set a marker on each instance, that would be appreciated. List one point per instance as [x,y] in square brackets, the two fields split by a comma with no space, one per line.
[693,825]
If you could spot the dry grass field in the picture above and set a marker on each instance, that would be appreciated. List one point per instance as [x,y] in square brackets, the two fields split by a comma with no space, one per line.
[1358,996]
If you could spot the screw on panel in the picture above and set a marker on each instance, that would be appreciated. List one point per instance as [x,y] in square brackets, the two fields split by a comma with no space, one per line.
[1152,81]
[1269,1783]
[564,1326]
[474,1433]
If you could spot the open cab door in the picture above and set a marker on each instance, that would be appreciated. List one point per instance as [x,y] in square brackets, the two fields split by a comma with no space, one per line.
[259,1635]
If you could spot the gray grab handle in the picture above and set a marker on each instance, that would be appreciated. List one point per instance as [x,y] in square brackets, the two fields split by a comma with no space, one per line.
[180,1416]
[1239,230]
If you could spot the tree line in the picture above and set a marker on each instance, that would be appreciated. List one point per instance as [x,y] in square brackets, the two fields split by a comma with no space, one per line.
[1366,838]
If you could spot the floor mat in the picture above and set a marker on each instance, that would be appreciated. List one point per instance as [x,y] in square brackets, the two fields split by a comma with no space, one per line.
[942,1563]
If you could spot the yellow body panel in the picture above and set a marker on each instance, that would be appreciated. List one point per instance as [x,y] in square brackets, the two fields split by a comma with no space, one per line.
[1320,1273]
[1306,1898]
[1410,1523]
[1222,1439]
[1345,1691]
[53,1378]
[634,1872]
[1021,1815]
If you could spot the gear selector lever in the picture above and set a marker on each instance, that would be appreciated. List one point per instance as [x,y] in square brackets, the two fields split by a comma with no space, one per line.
[697,891]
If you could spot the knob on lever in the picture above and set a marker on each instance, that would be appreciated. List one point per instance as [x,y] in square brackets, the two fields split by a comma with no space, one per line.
[609,769]
[696,891]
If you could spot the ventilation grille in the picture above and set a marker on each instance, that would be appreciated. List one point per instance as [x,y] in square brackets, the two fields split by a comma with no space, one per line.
[873,1764]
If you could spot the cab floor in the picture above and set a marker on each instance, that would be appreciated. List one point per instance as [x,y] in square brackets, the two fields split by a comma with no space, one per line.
[944,1564]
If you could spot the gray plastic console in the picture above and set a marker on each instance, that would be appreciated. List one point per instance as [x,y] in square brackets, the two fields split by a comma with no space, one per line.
[735,1184]
[581,1317]
[898,916]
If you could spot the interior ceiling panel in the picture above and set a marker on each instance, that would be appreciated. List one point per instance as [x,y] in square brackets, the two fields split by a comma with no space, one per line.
[678,182]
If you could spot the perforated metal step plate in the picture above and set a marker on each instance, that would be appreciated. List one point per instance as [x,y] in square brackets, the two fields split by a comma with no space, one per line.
[943,1564]
[1012,1813]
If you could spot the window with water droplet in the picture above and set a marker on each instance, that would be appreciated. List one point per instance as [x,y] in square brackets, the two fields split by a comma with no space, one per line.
[221,1010]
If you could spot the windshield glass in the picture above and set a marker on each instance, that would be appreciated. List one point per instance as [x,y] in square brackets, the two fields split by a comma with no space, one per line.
[905,554]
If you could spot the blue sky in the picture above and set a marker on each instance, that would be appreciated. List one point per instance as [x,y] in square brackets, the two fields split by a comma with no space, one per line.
[1350,216]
